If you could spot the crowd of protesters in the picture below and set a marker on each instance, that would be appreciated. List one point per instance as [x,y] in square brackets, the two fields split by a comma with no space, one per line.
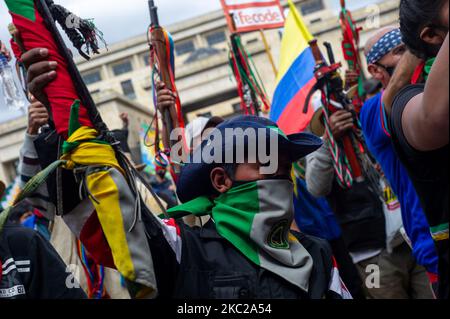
[235,232]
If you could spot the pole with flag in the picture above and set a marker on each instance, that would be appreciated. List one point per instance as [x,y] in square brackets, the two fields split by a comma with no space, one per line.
[295,76]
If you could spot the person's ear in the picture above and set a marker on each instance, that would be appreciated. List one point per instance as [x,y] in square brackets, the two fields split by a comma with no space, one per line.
[431,36]
[220,180]
[376,72]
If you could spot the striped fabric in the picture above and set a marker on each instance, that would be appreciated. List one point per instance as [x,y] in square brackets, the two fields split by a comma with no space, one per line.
[107,221]
[28,167]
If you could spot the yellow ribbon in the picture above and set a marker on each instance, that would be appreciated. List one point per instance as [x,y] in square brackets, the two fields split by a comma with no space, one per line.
[105,194]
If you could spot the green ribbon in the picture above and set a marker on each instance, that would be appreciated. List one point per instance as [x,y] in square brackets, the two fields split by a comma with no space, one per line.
[233,214]
[427,69]
[74,125]
[201,206]
[24,8]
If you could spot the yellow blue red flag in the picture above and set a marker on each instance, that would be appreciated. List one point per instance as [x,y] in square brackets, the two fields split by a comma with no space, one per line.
[295,77]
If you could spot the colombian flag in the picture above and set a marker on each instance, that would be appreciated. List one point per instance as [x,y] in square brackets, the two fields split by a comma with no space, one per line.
[296,76]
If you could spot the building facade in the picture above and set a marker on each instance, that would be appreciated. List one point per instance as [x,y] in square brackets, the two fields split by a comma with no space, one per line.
[203,76]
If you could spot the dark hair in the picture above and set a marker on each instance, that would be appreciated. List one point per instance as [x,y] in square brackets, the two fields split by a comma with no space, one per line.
[230,169]
[213,122]
[414,16]
[20,210]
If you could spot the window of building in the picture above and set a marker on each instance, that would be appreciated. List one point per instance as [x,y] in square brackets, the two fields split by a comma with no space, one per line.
[312,6]
[146,59]
[91,78]
[237,109]
[128,89]
[122,68]
[206,114]
[185,47]
[10,169]
[216,38]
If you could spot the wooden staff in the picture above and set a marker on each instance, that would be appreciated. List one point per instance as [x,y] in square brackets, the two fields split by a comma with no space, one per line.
[329,74]
[269,52]
[159,44]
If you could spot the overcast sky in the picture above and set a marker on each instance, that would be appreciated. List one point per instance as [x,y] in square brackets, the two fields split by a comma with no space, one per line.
[119,19]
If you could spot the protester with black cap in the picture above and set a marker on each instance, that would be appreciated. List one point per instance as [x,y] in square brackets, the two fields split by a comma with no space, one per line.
[246,250]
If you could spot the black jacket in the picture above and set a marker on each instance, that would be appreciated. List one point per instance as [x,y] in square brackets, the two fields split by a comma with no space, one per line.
[211,268]
[31,268]
[360,214]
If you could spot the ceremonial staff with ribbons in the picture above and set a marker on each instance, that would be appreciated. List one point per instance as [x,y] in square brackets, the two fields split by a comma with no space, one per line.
[81,153]
[351,159]
[250,88]
[350,48]
[162,61]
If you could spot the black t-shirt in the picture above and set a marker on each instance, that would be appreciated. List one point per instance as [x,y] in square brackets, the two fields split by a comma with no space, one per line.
[122,137]
[30,268]
[429,174]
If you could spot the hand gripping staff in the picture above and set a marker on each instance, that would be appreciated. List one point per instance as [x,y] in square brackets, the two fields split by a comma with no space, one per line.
[107,217]
[162,61]
[351,158]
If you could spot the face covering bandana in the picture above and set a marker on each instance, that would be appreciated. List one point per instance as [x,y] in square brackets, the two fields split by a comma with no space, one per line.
[256,217]
[388,42]
[427,68]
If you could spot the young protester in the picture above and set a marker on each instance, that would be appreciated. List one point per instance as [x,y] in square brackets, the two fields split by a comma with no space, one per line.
[383,52]
[225,258]
[419,115]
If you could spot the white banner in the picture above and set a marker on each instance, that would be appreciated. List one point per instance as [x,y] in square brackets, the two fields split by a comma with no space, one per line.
[257,17]
[253,15]
[244,2]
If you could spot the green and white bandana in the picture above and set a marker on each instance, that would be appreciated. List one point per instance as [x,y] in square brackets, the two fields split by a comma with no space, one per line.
[256,218]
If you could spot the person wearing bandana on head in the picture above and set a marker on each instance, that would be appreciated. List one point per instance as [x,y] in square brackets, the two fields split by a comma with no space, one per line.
[371,225]
[383,52]
[417,105]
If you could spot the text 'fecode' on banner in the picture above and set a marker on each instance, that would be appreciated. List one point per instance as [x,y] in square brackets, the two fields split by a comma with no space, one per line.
[252,15]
